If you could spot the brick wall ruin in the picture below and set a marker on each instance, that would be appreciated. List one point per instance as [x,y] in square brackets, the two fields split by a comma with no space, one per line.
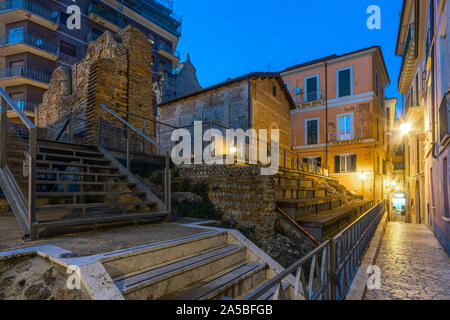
[116,72]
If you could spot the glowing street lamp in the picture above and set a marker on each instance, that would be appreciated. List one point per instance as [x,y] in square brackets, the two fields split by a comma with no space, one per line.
[362,175]
[405,128]
[233,150]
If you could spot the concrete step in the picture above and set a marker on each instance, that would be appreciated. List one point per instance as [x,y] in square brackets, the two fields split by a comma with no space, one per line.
[298,208]
[161,281]
[130,261]
[233,282]
[328,223]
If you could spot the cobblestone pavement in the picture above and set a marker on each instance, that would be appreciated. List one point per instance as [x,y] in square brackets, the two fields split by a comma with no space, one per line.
[413,264]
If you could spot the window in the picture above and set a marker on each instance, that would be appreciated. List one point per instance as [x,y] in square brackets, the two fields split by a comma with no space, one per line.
[63,18]
[378,164]
[384,167]
[288,86]
[399,166]
[312,131]
[68,49]
[345,123]
[15,35]
[274,90]
[377,88]
[345,82]
[345,163]
[378,129]
[312,88]
[17,98]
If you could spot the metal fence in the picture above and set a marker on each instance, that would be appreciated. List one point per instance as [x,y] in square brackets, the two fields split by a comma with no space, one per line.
[326,273]
[30,40]
[22,71]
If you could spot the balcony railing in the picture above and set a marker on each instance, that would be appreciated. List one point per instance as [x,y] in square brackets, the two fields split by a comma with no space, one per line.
[168,49]
[444,119]
[342,136]
[21,71]
[109,15]
[30,40]
[308,98]
[410,40]
[31,6]
[27,106]
[92,36]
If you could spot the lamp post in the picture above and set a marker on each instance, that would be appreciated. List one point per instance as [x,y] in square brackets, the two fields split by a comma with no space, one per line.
[405,129]
[362,176]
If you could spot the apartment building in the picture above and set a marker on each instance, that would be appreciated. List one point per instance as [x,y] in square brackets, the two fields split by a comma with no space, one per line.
[425,81]
[35,39]
[340,118]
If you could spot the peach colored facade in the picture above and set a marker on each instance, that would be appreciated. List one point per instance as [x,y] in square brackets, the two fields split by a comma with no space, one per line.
[351,126]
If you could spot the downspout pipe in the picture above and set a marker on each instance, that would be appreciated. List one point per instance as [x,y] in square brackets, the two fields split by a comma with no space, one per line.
[433,85]
[326,112]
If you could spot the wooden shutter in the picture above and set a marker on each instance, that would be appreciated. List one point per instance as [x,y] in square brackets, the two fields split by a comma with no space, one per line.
[354,163]
[337,164]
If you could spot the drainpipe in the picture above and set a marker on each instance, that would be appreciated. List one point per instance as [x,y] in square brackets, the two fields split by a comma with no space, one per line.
[326,113]
[433,84]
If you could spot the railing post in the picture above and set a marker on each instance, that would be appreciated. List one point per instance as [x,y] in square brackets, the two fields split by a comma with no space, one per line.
[34,232]
[333,273]
[3,133]
[167,186]
[128,148]
[99,129]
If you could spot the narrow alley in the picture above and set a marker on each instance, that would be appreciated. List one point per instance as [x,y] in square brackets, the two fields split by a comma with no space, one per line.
[413,264]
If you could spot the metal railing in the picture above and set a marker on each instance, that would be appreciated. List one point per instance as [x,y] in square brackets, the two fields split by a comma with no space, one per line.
[357,134]
[168,49]
[307,98]
[31,6]
[327,272]
[22,71]
[131,139]
[13,165]
[30,40]
[410,40]
[288,159]
[27,106]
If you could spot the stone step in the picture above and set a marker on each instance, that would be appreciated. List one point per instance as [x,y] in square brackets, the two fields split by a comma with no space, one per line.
[302,207]
[164,280]
[233,282]
[330,222]
[130,261]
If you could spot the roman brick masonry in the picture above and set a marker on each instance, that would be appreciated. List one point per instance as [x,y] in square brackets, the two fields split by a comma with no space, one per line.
[116,72]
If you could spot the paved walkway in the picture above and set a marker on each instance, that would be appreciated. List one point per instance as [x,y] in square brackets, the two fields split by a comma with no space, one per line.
[413,264]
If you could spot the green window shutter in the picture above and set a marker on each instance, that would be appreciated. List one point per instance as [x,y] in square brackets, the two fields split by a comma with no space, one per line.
[344,83]
[337,164]
[354,163]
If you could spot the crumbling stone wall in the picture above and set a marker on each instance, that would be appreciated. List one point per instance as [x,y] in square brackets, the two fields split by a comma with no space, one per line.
[116,72]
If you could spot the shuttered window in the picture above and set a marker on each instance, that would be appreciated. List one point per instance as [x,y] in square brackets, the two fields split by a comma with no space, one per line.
[345,85]
[312,132]
[345,163]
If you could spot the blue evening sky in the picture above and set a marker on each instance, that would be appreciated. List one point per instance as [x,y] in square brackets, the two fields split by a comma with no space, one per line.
[230,38]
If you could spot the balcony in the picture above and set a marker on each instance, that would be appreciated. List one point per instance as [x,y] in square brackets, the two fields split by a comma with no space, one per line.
[107,18]
[444,119]
[409,61]
[21,75]
[22,42]
[310,99]
[12,11]
[359,135]
[167,52]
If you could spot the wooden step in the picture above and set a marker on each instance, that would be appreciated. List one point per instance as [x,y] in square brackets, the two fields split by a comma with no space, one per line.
[39,163]
[162,281]
[88,183]
[44,194]
[77,173]
[94,205]
[70,159]
[68,151]
[102,219]
[236,281]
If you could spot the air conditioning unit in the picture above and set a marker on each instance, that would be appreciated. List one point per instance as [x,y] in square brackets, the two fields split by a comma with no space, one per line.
[298,90]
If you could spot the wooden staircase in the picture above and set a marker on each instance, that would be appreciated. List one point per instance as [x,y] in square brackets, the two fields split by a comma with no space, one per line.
[78,185]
